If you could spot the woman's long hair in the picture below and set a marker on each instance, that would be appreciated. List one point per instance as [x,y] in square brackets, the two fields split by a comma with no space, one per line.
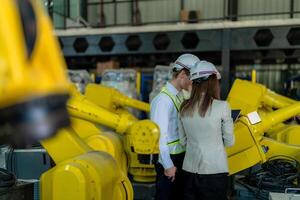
[202,95]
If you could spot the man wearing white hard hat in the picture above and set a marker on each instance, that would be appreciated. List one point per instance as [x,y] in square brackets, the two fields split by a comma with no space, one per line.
[205,128]
[164,112]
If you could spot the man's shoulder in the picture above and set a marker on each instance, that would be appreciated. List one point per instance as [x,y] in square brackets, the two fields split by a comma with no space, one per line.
[161,98]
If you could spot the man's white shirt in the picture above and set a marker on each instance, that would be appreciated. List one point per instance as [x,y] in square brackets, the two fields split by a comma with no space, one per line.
[164,114]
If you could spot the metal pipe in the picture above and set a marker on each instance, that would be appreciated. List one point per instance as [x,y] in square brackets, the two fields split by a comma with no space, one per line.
[278,116]
[83,109]
[292,5]
[275,100]
[130,102]
[253,76]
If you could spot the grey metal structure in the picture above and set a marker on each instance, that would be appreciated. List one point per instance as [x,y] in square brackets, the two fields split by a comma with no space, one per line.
[227,43]
[174,38]
[100,13]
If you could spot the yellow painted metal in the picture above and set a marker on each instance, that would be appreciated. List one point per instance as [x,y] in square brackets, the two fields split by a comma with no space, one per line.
[24,78]
[278,116]
[112,99]
[139,137]
[275,100]
[54,146]
[245,96]
[280,150]
[285,133]
[142,135]
[94,175]
[253,145]
[138,83]
[80,107]
[249,97]
[108,142]
[70,179]
[80,172]
[246,151]
[253,76]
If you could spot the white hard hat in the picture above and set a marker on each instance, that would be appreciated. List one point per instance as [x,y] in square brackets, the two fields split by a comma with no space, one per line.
[185,61]
[202,70]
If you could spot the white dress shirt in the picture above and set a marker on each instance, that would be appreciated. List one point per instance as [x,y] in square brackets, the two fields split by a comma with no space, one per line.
[205,138]
[163,112]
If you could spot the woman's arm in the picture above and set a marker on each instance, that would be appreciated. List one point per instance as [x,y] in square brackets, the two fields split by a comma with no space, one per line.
[227,126]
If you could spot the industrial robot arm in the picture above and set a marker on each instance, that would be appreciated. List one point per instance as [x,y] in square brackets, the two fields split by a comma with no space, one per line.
[248,96]
[252,147]
[112,99]
[31,87]
[144,134]
[140,137]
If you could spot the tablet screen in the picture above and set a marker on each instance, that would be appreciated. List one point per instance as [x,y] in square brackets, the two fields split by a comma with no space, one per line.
[235,114]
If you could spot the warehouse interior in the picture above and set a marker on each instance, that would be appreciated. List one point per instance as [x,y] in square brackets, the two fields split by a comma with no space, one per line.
[78,76]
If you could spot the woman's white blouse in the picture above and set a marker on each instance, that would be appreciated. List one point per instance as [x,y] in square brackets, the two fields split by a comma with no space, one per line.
[205,138]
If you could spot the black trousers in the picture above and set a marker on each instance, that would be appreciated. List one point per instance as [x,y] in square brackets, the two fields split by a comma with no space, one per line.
[205,187]
[165,188]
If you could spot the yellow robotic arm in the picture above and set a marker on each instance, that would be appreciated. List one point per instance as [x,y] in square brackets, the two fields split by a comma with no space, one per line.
[252,146]
[31,87]
[249,96]
[274,100]
[79,106]
[112,99]
[140,137]
[144,133]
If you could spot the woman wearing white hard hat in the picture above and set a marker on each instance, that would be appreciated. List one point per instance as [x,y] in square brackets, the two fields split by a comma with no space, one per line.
[164,112]
[205,128]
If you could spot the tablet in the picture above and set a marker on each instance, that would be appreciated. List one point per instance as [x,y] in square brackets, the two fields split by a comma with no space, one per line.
[235,114]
